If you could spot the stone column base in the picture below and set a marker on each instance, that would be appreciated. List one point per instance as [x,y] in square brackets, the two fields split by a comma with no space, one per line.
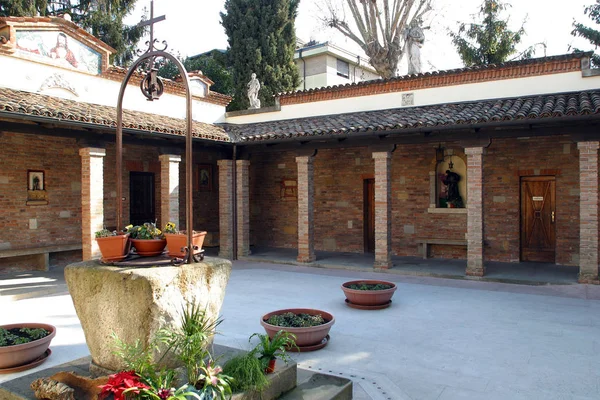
[589,279]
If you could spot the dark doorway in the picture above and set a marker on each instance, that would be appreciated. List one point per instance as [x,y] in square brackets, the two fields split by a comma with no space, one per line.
[369,214]
[141,197]
[538,214]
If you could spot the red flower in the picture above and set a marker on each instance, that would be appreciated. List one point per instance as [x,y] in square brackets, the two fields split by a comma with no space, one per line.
[120,382]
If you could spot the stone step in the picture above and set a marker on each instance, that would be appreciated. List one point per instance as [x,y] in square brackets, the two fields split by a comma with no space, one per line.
[318,386]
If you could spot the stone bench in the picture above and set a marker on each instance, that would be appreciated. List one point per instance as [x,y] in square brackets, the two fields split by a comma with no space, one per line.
[42,253]
[424,244]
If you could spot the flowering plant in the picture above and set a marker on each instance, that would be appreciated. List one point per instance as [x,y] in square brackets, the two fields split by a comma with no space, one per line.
[146,231]
[105,233]
[120,383]
[216,384]
[170,227]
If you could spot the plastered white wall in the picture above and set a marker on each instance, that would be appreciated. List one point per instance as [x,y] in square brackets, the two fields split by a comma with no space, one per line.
[556,83]
[29,76]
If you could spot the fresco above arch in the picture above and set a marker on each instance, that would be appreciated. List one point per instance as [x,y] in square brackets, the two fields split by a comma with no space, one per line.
[57,48]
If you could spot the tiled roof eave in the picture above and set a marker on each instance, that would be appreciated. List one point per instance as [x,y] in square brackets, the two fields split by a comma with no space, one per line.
[588,109]
[97,127]
[67,113]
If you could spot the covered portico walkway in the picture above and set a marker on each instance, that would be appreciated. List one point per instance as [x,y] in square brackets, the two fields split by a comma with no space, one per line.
[523,272]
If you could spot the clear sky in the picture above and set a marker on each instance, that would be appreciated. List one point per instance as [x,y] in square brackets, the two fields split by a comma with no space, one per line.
[193,26]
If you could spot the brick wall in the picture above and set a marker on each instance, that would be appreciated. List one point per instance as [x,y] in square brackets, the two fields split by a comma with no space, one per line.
[505,161]
[59,221]
[411,165]
[273,220]
[339,178]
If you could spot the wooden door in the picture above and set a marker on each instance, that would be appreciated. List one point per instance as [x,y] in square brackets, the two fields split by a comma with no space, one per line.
[141,197]
[538,215]
[369,215]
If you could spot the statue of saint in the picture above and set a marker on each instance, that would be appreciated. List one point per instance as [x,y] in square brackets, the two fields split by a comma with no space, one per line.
[253,88]
[453,196]
[415,37]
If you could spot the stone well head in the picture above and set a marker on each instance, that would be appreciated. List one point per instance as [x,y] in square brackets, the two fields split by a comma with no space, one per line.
[135,303]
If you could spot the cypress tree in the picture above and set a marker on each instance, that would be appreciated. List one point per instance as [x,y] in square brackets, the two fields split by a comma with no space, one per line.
[262,39]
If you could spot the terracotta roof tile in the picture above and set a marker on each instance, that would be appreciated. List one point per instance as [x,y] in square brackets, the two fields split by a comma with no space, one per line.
[57,109]
[532,108]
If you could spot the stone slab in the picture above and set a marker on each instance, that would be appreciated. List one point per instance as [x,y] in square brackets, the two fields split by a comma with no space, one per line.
[319,386]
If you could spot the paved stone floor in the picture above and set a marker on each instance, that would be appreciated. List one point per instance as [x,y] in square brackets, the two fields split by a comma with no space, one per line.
[441,338]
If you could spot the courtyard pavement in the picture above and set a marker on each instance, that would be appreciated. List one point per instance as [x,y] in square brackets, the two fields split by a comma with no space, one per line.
[441,338]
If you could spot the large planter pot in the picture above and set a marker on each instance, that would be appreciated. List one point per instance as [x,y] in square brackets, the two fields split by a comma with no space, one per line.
[305,337]
[22,354]
[177,241]
[113,248]
[149,247]
[369,298]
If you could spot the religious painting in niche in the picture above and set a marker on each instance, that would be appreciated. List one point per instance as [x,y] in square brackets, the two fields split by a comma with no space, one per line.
[203,177]
[57,48]
[452,182]
[36,188]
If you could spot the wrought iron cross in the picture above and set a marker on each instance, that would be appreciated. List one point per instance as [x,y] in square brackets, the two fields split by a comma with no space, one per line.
[151,22]
[152,86]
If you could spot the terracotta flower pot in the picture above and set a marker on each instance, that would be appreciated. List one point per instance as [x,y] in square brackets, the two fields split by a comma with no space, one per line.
[309,336]
[177,241]
[149,247]
[113,248]
[369,297]
[271,367]
[21,354]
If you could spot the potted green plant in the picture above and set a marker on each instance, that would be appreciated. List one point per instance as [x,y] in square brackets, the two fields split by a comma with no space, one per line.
[147,239]
[270,349]
[23,345]
[369,294]
[189,345]
[310,326]
[113,246]
[177,241]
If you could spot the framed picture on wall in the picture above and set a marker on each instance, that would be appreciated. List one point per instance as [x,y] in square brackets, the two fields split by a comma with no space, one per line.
[204,177]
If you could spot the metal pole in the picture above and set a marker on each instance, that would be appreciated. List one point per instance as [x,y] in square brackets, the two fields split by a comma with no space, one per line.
[235,204]
[188,144]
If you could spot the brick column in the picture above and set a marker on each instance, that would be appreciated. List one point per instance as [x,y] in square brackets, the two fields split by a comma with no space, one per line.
[588,211]
[306,196]
[243,207]
[383,209]
[169,189]
[475,265]
[92,199]
[225,208]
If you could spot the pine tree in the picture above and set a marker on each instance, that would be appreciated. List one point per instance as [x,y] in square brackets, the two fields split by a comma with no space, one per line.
[262,39]
[488,42]
[212,65]
[102,18]
[586,32]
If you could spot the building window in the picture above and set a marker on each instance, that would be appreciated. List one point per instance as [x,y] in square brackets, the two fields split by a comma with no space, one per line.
[343,68]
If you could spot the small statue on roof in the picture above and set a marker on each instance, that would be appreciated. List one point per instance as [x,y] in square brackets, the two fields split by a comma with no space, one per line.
[253,88]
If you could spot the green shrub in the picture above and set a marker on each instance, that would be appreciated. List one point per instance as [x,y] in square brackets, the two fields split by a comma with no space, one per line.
[11,337]
[291,320]
[369,286]
[247,373]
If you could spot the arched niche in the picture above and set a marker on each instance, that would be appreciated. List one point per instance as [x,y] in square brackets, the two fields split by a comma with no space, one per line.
[455,161]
